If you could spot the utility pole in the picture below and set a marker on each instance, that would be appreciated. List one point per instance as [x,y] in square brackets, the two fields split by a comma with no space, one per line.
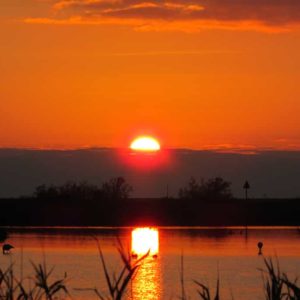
[167,191]
[246,188]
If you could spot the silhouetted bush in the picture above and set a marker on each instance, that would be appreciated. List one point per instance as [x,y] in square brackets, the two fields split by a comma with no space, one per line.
[116,188]
[211,189]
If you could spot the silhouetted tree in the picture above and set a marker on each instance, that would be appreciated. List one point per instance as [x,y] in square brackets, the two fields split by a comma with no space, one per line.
[116,188]
[79,191]
[68,191]
[211,189]
[46,192]
[191,191]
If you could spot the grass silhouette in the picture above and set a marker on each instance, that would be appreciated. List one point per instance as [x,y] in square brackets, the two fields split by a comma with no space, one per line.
[38,287]
[276,284]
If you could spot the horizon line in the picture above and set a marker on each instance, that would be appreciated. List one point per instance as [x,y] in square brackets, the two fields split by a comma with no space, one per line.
[251,150]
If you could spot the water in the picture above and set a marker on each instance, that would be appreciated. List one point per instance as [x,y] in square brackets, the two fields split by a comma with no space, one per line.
[206,251]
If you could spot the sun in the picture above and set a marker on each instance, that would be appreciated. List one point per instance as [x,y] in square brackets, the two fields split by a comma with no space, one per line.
[145,143]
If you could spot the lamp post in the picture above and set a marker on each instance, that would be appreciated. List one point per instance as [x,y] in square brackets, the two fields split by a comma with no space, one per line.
[246,188]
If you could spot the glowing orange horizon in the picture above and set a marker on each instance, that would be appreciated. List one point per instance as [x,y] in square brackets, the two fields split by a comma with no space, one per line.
[145,143]
[160,77]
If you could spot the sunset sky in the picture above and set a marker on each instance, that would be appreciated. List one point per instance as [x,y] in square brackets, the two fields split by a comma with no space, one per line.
[200,74]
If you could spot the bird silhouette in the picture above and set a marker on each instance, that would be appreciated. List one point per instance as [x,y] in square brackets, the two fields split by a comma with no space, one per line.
[6,248]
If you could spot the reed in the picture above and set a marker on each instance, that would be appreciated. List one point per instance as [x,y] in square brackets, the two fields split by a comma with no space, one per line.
[182,282]
[204,292]
[273,283]
[117,284]
[37,288]
[293,290]
[276,284]
[44,287]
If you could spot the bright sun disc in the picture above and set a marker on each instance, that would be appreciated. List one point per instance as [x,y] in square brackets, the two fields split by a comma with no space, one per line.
[145,143]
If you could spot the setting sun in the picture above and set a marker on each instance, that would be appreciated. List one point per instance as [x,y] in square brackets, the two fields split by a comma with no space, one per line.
[144,240]
[145,143]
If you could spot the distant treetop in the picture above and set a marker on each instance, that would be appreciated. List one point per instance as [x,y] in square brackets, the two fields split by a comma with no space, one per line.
[212,189]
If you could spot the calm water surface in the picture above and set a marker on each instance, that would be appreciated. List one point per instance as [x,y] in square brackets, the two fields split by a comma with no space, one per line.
[205,250]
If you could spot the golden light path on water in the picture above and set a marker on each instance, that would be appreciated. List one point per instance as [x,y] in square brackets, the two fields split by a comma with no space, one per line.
[147,282]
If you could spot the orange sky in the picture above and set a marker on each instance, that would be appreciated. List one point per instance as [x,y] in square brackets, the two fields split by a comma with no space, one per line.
[197,74]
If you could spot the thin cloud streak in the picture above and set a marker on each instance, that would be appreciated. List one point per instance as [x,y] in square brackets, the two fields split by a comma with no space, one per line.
[155,25]
[169,53]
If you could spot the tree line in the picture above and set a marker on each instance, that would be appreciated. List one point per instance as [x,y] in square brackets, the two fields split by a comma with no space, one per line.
[114,189]
[207,202]
[118,188]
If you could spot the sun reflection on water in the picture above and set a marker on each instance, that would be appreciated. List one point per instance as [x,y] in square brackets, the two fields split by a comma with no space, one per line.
[143,240]
[147,283]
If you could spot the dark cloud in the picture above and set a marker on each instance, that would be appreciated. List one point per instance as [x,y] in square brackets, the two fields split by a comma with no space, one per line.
[202,13]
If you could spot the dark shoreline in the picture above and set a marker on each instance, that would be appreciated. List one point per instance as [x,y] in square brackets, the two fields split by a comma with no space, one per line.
[152,212]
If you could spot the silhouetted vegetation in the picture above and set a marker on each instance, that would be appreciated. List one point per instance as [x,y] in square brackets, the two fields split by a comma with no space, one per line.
[211,189]
[277,285]
[208,203]
[117,283]
[38,287]
[114,189]
[204,292]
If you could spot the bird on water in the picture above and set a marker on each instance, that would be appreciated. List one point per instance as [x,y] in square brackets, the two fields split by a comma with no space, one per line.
[6,248]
